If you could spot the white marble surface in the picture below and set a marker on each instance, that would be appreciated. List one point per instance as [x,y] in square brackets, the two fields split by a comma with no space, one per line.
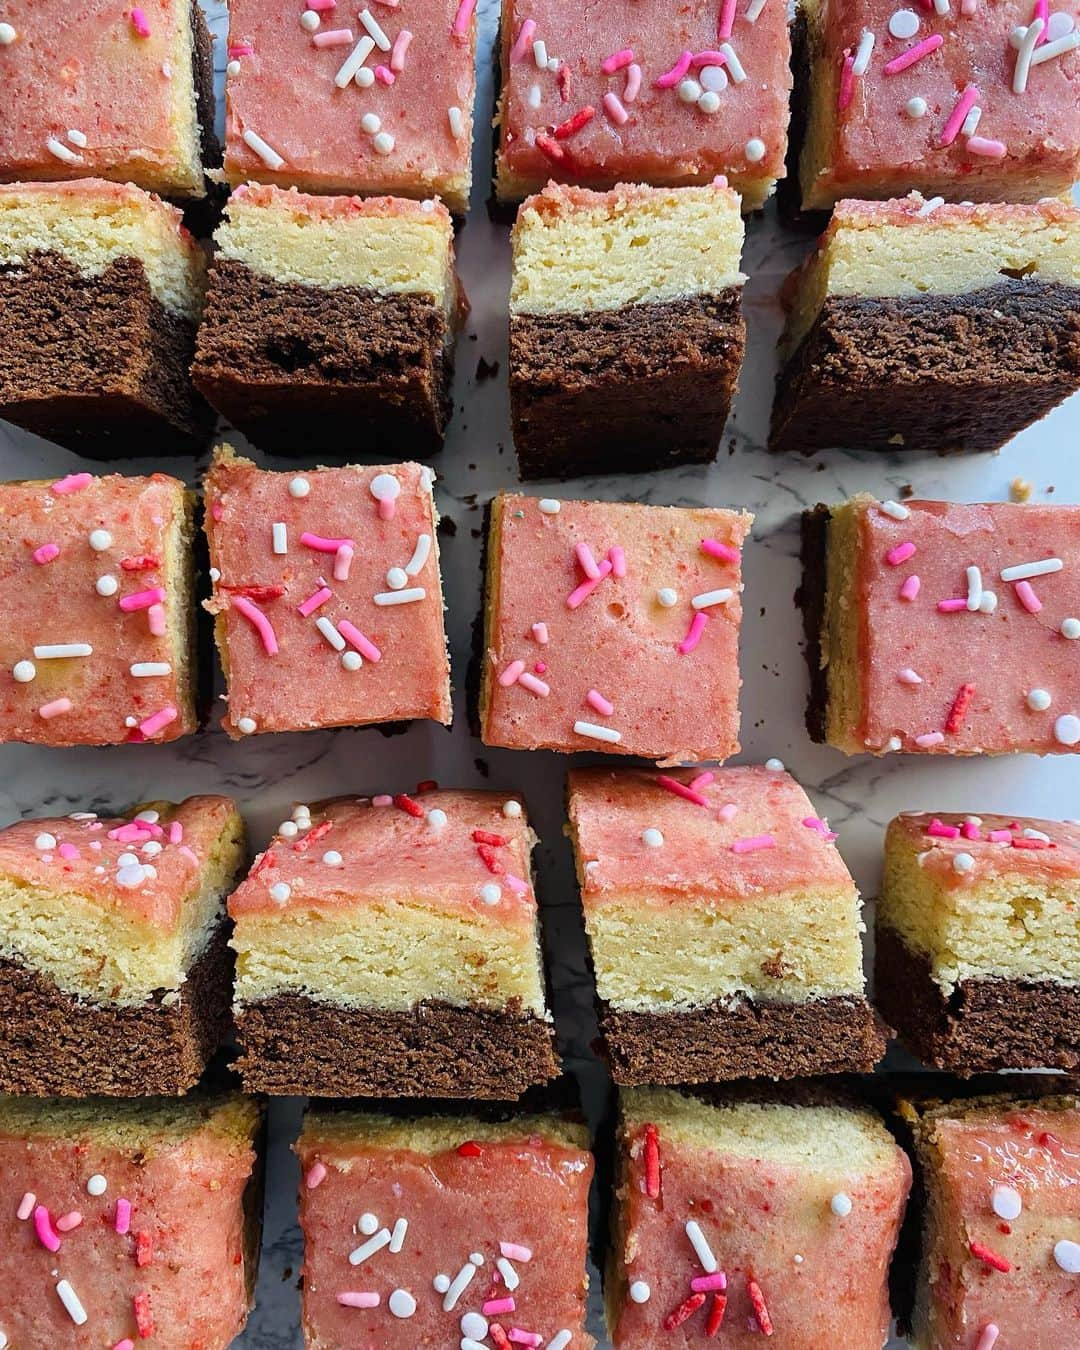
[267,774]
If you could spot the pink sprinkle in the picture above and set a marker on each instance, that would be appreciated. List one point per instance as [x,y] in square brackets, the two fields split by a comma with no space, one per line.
[123,1215]
[702,780]
[727,812]
[613,106]
[342,562]
[189,854]
[321,6]
[462,18]
[727,20]
[540,667]
[55,708]
[316,1175]
[314,601]
[26,1206]
[358,1300]
[754,843]
[383,799]
[516,884]
[672,77]
[385,75]
[333,37]
[816,823]
[139,23]
[988,149]
[521,1337]
[321,544]
[1000,836]
[602,705]
[913,54]
[158,721]
[633,83]
[131,833]
[988,1337]
[581,593]
[66,1222]
[964,105]
[540,633]
[1042,11]
[725,552]
[246,49]
[142,599]
[259,621]
[846,91]
[588,563]
[901,553]
[681,789]
[929,738]
[363,645]
[617,558]
[514,1251]
[533,685]
[155,620]
[401,46]
[694,632]
[937,829]
[68,851]
[511,673]
[910,588]
[495,1306]
[45,554]
[387,507]
[74,482]
[702,1284]
[44,1229]
[524,42]
[970,830]
[1025,593]
[709,58]
[176,832]
[125,1344]
[952,606]
[617,60]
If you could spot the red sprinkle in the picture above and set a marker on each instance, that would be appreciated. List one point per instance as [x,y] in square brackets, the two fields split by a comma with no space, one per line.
[549,147]
[428,785]
[469,1149]
[562,79]
[486,837]
[847,80]
[257,593]
[405,803]
[573,124]
[144,1319]
[501,1339]
[685,1310]
[490,859]
[1031,844]
[268,859]
[761,1312]
[961,703]
[681,790]
[144,1248]
[652,1162]
[313,836]
[716,1314]
[983,1253]
[139,562]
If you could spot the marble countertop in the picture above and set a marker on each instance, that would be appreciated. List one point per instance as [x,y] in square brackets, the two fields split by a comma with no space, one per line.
[268,774]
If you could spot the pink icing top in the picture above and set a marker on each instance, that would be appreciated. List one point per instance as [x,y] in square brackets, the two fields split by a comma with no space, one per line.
[338,208]
[1046,851]
[667,677]
[83,855]
[396,851]
[179,1270]
[822,1278]
[83,66]
[64,597]
[976,671]
[1036,1153]
[286,600]
[284,92]
[647,134]
[763,811]
[877,147]
[528,1192]
[909,211]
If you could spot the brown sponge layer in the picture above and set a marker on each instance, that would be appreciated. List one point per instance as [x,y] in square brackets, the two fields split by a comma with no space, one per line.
[810,599]
[930,372]
[279,360]
[624,390]
[54,1045]
[295,1046]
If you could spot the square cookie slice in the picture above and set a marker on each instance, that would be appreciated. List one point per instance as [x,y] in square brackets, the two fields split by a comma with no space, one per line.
[977,960]
[613,626]
[391,947]
[943,628]
[724,927]
[918,326]
[98,643]
[331,310]
[129,1221]
[1001,1229]
[115,972]
[327,598]
[386,95]
[969,102]
[107,91]
[469,1231]
[101,288]
[626,328]
[604,94]
[744,1214]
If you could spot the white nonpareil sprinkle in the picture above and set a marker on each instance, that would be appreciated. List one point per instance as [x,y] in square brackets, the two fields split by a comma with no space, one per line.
[309,20]
[368,1224]
[401,1303]
[894,510]
[1067,730]
[652,838]
[903,24]
[23,672]
[436,819]
[775,765]
[490,893]
[475,1325]
[61,151]
[735,68]
[233,68]
[709,102]
[374,1244]
[987,602]
[702,1250]
[1067,1255]
[383,143]
[365,76]
[713,79]
[549,506]
[640,1292]
[916,107]
[100,540]
[375,32]
[7,35]
[96,1185]
[246,725]
[595,733]
[370,122]
[353,62]
[61,651]
[708,598]
[840,1205]
[385,487]
[689,91]
[755,149]
[280,892]
[332,858]
[351,660]
[405,597]
[1025,571]
[45,841]
[1070,628]
[667,596]
[266,153]
[279,535]
[457,1286]
[77,137]
[106,585]
[457,122]
[397,578]
[146,670]
[72,1304]
[560,1340]
[330,633]
[974,588]
[1006,1203]
[863,52]
[963,862]
[397,1237]
[511,810]
[299,487]
[1038,700]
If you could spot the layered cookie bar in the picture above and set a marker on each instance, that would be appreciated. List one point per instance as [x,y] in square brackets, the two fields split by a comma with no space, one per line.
[613,626]
[387,98]
[1001,1231]
[626,328]
[739,1216]
[390,947]
[942,628]
[115,972]
[107,91]
[978,946]
[919,326]
[327,599]
[101,289]
[98,643]
[444,1231]
[966,101]
[724,927]
[128,1221]
[331,308]
[599,95]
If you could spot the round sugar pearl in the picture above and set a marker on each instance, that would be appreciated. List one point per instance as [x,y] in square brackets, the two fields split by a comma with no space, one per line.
[1067,1255]
[385,487]
[916,107]
[1060,25]
[436,819]
[288,829]
[309,20]
[963,862]
[689,91]
[441,1283]
[280,892]
[709,102]
[106,585]
[652,838]
[549,506]
[511,809]
[713,79]
[667,597]
[1070,628]
[755,150]
[904,23]
[1038,700]
[1067,729]
[365,77]
[396,578]
[371,123]
[7,35]
[474,1326]
[1006,1203]
[368,1224]
[383,143]
[299,486]
[775,765]
[45,842]
[100,540]
[332,858]
[246,726]
[233,68]
[640,1292]
[96,1185]
[23,672]
[490,893]
[351,660]
[840,1205]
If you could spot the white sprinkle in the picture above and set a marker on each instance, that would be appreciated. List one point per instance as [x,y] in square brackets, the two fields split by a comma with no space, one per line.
[652,838]
[560,1340]
[374,31]
[330,633]
[753,10]
[713,79]
[45,841]
[1036,834]
[755,150]
[309,20]
[974,588]
[406,597]
[775,765]
[1023,57]
[351,660]
[23,672]
[1038,700]
[549,506]
[895,510]
[441,1283]
[535,98]
[127,860]
[1067,729]
[332,858]
[368,1224]
[233,68]
[147,670]
[511,810]
[371,123]
[266,153]
[61,651]
[100,540]
[215,574]
[385,487]
[987,602]
[510,1276]
[1067,1255]
[7,35]
[540,56]
[863,53]
[474,1325]
[436,819]
[288,829]
[352,63]
[491,893]
[365,76]
[280,892]
[1060,25]
[397,1237]
[421,553]
[457,122]
[60,150]
[96,1185]
[840,1204]
[708,598]
[1024,571]
[401,1303]
[383,143]
[904,24]
[930,206]
[1070,628]
[916,107]
[909,676]
[77,137]
[396,578]
[963,862]
[299,487]
[735,68]
[701,1248]
[476,1258]
[279,534]
[971,122]
[689,91]
[106,585]
[596,733]
[667,597]
[640,1292]
[374,1244]
[70,1299]
[553,65]
[246,726]
[131,876]
[457,1286]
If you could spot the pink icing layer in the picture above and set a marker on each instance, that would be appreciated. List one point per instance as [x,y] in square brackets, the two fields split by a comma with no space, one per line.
[186,1221]
[1016,855]
[664,140]
[1005,654]
[338,208]
[285,93]
[1036,1152]
[909,211]
[58,604]
[823,1278]
[304,683]
[619,640]
[876,148]
[610,810]
[389,854]
[528,1191]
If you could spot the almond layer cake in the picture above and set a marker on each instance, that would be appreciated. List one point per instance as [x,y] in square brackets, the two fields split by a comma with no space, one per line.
[335,308]
[444,1231]
[626,329]
[920,326]
[943,628]
[115,974]
[724,927]
[390,947]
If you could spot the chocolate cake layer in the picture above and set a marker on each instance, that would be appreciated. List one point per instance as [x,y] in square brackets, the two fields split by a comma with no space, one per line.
[54,1045]
[932,372]
[810,598]
[278,359]
[624,390]
[743,1039]
[295,1045]
[96,363]
[983,1025]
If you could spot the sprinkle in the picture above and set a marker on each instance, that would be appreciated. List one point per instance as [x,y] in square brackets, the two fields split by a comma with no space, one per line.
[575,123]
[559,1341]
[617,558]
[990,1258]
[61,651]
[640,1292]
[702,1250]
[421,553]
[929,738]
[588,563]
[937,829]
[651,1154]
[43,1227]
[909,589]
[1067,1256]
[512,811]
[353,62]
[405,803]
[895,510]
[903,24]
[595,733]
[401,1303]
[916,107]
[26,1206]
[144,1320]
[366,1249]
[74,482]
[727,19]
[667,597]
[148,670]
[581,593]
[400,47]
[734,65]
[1070,629]
[693,635]
[840,1204]
[1006,1202]
[754,843]
[7,34]
[1025,571]
[821,826]
[122,1221]
[753,10]
[45,554]
[633,83]
[510,675]
[1034,32]
[716,1313]
[349,1299]
[459,1283]
[96,1185]
[846,89]
[533,685]
[266,153]
[309,22]
[406,597]
[457,122]
[709,598]
[599,703]
[979,145]
[524,40]
[705,1284]
[683,1312]
[549,506]
[502,1341]
[963,106]
[55,708]
[1067,730]
[259,622]
[913,54]
[900,553]
[959,708]
[988,1337]
[70,1300]
[616,61]
[672,77]
[462,18]
[330,633]
[1038,700]
[60,151]
[154,595]
[363,645]
[1025,593]
[761,1312]
[493,1307]
[863,53]
[1058,47]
